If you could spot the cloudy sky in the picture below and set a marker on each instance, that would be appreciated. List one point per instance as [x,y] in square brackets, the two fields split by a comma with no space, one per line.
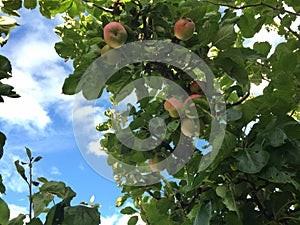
[42,120]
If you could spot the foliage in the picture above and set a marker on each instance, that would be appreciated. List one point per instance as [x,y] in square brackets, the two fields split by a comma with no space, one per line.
[43,201]
[255,177]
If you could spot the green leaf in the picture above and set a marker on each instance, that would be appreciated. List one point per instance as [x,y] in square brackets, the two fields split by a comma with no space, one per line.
[273,174]
[18,220]
[59,189]
[40,201]
[4,215]
[248,25]
[5,89]
[35,221]
[56,214]
[277,137]
[262,48]
[225,37]
[203,215]
[38,158]
[172,126]
[79,215]
[5,67]
[233,114]
[252,160]
[28,152]
[70,85]
[30,4]
[2,143]
[133,220]
[227,195]
[128,210]
[20,170]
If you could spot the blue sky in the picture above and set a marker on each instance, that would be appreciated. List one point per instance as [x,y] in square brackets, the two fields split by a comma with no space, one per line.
[42,120]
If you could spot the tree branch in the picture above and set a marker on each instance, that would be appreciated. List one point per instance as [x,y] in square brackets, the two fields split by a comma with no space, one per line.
[252,5]
[290,30]
[99,7]
[239,101]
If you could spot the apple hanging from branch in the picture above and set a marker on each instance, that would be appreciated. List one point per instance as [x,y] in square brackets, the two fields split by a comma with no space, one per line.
[184,29]
[115,34]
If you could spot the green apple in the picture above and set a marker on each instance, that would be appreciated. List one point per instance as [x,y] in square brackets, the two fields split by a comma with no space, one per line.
[174,107]
[184,29]
[105,49]
[115,34]
[188,127]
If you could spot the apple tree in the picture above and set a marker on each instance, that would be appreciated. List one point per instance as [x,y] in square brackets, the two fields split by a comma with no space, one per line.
[253,176]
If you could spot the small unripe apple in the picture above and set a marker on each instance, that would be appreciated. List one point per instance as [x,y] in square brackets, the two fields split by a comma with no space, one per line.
[188,127]
[184,29]
[115,34]
[174,107]
[197,85]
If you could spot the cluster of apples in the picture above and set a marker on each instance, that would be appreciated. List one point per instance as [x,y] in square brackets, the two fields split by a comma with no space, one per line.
[176,108]
[116,35]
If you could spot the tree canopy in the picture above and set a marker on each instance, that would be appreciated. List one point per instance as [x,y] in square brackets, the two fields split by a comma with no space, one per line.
[253,178]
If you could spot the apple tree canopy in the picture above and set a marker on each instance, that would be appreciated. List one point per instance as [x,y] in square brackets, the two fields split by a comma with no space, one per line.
[254,177]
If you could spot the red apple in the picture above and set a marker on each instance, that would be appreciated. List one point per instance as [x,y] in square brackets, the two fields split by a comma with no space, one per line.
[115,34]
[184,29]
[174,107]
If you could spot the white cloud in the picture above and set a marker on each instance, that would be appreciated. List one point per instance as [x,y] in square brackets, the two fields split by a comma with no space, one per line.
[16,211]
[55,171]
[38,75]
[94,147]
[265,34]
[119,219]
[258,89]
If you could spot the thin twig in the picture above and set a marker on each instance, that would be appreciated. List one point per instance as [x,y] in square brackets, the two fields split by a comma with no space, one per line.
[290,30]
[252,5]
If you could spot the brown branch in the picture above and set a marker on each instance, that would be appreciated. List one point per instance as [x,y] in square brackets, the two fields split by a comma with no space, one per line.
[252,5]
[99,7]
[290,30]
[239,101]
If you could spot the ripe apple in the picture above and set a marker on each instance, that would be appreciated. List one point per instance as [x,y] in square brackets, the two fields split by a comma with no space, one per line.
[174,107]
[115,34]
[184,29]
[188,127]
[189,103]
